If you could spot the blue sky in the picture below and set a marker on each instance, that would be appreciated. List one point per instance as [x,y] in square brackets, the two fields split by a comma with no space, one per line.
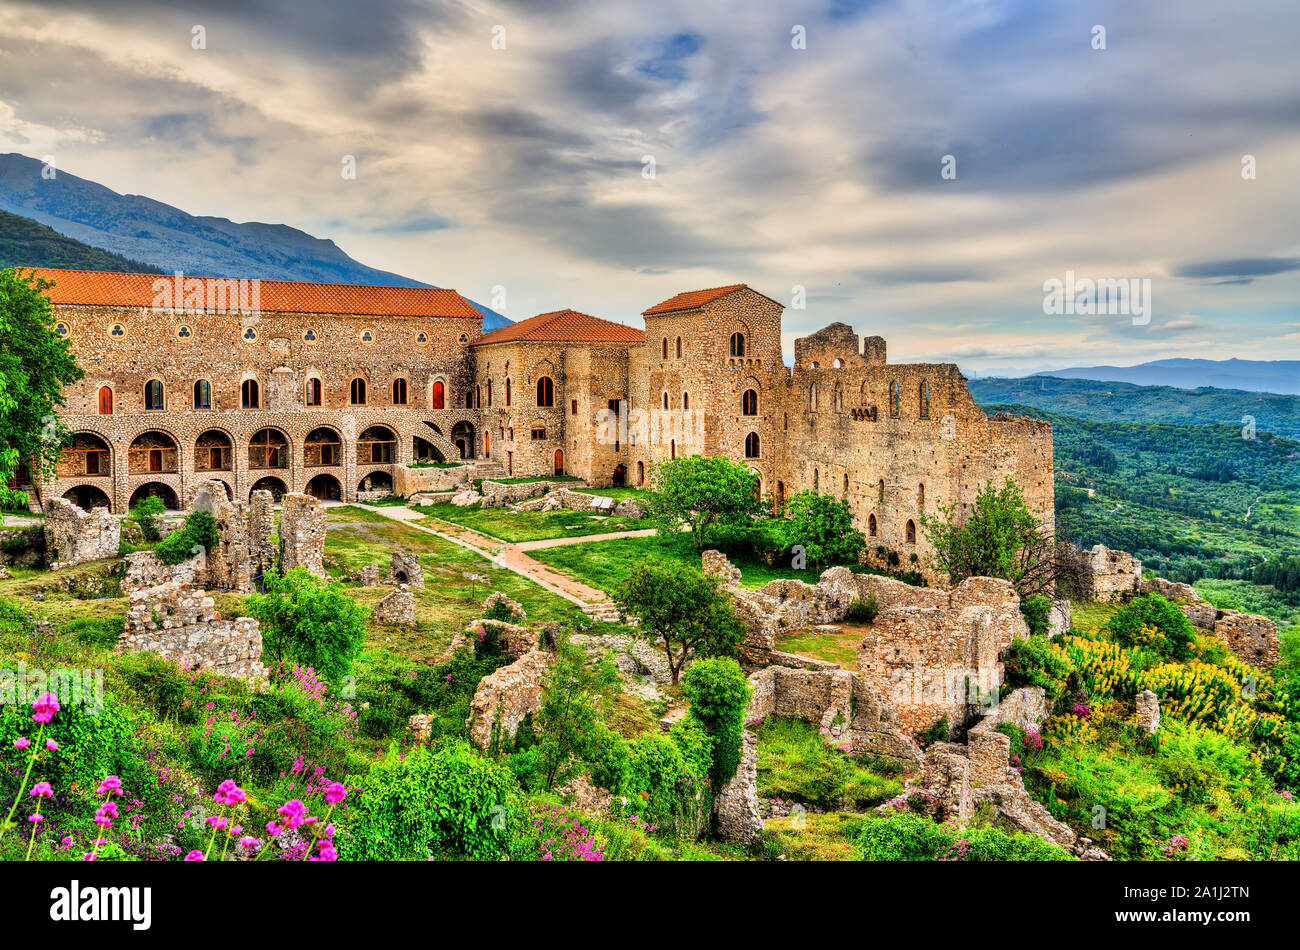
[818,167]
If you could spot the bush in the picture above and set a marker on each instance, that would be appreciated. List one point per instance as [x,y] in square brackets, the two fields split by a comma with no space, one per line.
[422,804]
[145,515]
[900,836]
[823,525]
[1035,609]
[311,621]
[718,693]
[1036,661]
[993,844]
[863,611]
[1176,636]
[200,531]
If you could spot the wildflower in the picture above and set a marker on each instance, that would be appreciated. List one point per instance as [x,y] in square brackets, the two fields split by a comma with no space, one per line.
[51,745]
[110,785]
[248,842]
[195,855]
[44,708]
[41,790]
[228,793]
[36,819]
[335,792]
[273,828]
[21,744]
[216,821]
[294,813]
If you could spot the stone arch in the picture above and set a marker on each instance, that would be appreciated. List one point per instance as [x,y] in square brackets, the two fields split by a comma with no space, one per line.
[322,448]
[153,451]
[377,445]
[214,451]
[155,490]
[422,450]
[463,437]
[376,481]
[910,531]
[313,389]
[87,497]
[89,456]
[872,527]
[270,483]
[920,496]
[268,448]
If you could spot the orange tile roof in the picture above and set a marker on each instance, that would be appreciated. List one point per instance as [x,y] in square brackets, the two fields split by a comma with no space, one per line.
[565,326]
[275,296]
[692,299]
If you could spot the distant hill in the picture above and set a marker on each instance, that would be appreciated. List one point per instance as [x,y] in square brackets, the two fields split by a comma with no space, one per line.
[168,239]
[1128,402]
[28,243]
[1267,376]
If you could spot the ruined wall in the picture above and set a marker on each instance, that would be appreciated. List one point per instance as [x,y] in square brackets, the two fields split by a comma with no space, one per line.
[1111,576]
[74,536]
[504,697]
[182,624]
[302,534]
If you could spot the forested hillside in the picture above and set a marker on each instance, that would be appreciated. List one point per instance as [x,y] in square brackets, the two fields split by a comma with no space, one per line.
[27,243]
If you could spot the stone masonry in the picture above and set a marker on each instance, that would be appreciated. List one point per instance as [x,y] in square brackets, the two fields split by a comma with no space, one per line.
[302,534]
[181,623]
[1111,575]
[73,536]
[506,696]
[397,607]
[404,568]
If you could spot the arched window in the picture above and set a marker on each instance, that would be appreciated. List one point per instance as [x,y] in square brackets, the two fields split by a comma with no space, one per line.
[920,496]
[911,531]
[871,525]
[737,344]
[785,421]
[249,395]
[880,491]
[545,392]
[751,445]
[679,347]
[357,392]
[665,347]
[749,403]
[437,395]
[839,396]
[489,403]
[478,396]
[469,399]
[665,400]
[312,395]
[153,394]
[816,480]
[507,391]
[686,400]
[893,399]
[202,394]
[105,401]
[925,399]
[399,392]
[846,483]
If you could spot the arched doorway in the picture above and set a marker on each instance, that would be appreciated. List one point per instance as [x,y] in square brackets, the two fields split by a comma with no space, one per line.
[424,451]
[268,449]
[559,461]
[780,494]
[269,483]
[377,445]
[323,448]
[87,497]
[377,482]
[88,455]
[640,473]
[325,487]
[620,475]
[213,452]
[462,436]
[154,490]
[487,440]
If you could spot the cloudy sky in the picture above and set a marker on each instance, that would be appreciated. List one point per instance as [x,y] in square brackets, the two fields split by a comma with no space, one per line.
[821,167]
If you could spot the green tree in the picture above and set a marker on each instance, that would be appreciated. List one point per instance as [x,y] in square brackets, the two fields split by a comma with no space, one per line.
[823,525]
[568,720]
[678,605]
[310,621]
[709,494]
[719,696]
[35,365]
[999,537]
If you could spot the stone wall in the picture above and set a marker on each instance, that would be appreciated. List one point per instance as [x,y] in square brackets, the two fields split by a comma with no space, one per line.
[182,624]
[408,481]
[396,607]
[405,568]
[1111,576]
[145,570]
[302,534]
[74,536]
[1251,638]
[506,696]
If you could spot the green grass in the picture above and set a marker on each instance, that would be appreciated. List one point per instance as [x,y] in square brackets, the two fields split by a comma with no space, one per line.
[605,564]
[795,765]
[841,647]
[505,525]
[618,494]
[1088,617]
[814,837]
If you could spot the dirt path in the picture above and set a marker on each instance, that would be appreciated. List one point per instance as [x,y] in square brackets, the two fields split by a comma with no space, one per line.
[511,557]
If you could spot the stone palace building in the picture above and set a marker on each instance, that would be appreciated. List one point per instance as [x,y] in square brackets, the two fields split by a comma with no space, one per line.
[330,389]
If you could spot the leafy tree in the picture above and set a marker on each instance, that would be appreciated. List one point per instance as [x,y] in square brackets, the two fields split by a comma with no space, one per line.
[999,537]
[145,514]
[823,524]
[35,365]
[709,494]
[568,719]
[681,607]
[311,621]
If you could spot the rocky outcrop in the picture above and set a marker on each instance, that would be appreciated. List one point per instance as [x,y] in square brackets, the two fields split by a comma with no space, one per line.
[181,623]
[74,536]
[1058,618]
[1251,638]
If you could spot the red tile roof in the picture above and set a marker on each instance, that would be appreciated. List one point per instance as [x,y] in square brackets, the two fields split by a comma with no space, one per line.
[275,296]
[692,299]
[565,326]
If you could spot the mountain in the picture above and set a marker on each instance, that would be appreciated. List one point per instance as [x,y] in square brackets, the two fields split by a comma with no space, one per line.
[1268,376]
[169,239]
[1128,402]
[28,243]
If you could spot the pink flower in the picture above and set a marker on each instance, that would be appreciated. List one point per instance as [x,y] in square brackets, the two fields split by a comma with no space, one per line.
[36,819]
[89,856]
[41,790]
[195,855]
[216,821]
[294,813]
[248,842]
[110,784]
[228,793]
[335,792]
[22,743]
[51,745]
[45,707]
[273,828]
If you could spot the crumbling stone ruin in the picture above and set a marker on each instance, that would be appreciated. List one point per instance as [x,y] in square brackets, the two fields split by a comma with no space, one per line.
[404,568]
[1251,638]
[74,536]
[1148,712]
[1110,576]
[397,607]
[368,575]
[516,609]
[181,623]
[505,697]
[302,533]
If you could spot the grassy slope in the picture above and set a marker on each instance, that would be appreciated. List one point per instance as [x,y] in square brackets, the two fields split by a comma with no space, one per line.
[505,525]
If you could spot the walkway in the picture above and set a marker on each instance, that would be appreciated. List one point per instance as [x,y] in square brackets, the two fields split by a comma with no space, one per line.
[511,557]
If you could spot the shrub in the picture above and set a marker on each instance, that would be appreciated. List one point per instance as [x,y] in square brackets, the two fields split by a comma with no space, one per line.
[900,836]
[200,531]
[1176,638]
[989,843]
[718,693]
[863,611]
[1036,661]
[145,515]
[1035,609]
[451,802]
[938,732]
[311,621]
